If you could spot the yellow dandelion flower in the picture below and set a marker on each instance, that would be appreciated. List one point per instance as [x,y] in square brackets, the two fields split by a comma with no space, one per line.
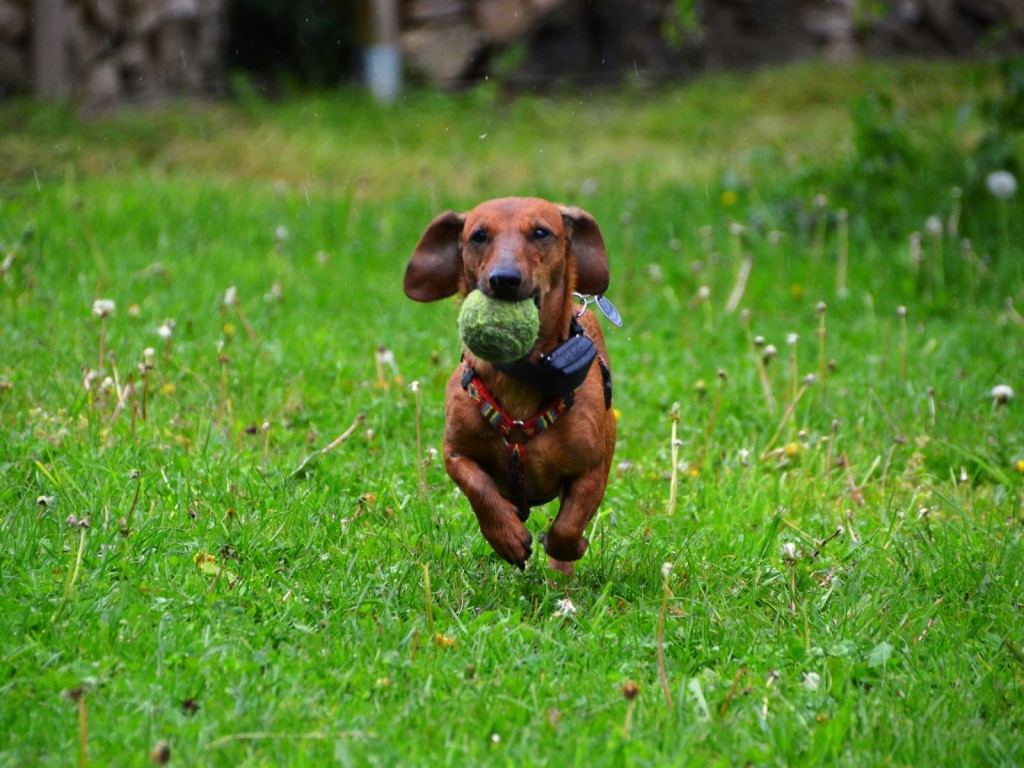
[728,198]
[796,291]
[1020,466]
[791,450]
[167,389]
[616,413]
[229,329]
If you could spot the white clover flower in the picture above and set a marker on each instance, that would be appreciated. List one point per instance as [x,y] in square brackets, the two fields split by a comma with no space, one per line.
[811,681]
[933,226]
[703,293]
[820,201]
[148,356]
[666,569]
[166,330]
[564,608]
[46,501]
[103,307]
[281,233]
[231,296]
[1001,393]
[1001,184]
[744,456]
[415,386]
[770,351]
[789,551]
[736,229]
[792,339]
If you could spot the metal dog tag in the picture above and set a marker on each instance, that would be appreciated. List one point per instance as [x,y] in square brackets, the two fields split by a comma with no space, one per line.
[609,310]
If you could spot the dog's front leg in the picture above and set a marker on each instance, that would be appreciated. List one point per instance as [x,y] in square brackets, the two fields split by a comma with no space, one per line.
[564,542]
[497,516]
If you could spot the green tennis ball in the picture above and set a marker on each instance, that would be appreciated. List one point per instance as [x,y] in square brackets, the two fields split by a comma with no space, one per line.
[498,331]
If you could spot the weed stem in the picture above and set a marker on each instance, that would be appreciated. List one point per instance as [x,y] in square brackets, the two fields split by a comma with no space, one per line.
[70,584]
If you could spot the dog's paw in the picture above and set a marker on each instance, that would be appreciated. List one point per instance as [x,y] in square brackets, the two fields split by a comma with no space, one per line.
[512,542]
[566,550]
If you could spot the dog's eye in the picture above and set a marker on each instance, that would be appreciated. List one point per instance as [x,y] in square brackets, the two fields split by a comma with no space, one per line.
[541,233]
[479,237]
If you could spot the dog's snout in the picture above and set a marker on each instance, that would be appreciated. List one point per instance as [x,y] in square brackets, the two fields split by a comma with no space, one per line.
[504,282]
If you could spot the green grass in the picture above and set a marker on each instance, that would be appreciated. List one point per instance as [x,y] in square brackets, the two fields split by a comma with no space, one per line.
[249,617]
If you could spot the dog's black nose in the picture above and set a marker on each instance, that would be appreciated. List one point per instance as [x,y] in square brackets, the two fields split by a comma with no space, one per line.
[505,283]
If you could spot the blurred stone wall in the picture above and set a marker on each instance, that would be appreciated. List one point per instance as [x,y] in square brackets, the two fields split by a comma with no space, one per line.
[119,50]
[144,50]
[454,41]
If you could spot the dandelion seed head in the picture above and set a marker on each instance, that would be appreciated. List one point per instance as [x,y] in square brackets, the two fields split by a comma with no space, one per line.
[1001,393]
[564,608]
[103,307]
[1001,184]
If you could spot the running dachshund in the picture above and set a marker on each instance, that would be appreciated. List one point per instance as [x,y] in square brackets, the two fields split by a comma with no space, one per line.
[520,435]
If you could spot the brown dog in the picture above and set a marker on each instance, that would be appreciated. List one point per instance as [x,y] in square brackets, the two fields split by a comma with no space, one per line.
[518,436]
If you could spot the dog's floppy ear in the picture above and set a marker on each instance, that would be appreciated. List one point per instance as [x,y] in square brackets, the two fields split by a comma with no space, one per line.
[435,269]
[587,247]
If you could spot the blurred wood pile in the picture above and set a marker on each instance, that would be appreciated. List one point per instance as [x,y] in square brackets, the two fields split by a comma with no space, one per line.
[452,41]
[115,50]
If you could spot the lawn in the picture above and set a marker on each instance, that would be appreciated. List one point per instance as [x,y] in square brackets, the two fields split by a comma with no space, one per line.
[822,302]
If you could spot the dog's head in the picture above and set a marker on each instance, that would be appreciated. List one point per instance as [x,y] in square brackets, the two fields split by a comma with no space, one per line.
[512,248]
